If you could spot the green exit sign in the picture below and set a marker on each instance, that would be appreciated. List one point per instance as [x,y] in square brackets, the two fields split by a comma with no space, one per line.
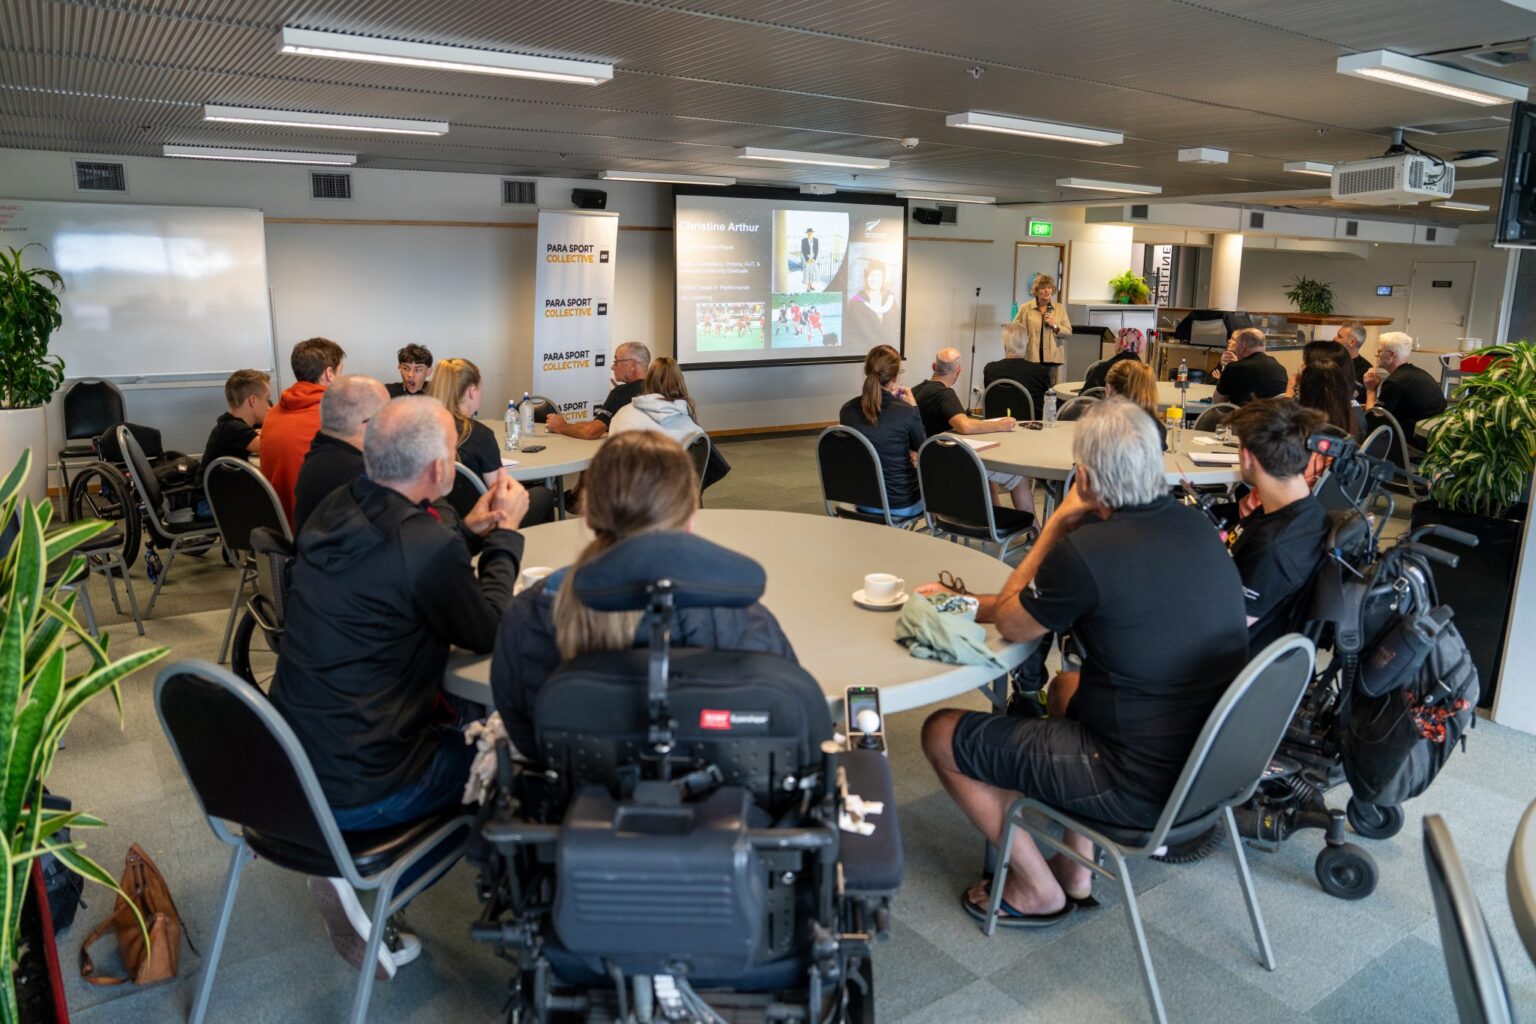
[1039,229]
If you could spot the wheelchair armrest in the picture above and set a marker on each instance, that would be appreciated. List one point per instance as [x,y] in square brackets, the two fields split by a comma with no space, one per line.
[872,864]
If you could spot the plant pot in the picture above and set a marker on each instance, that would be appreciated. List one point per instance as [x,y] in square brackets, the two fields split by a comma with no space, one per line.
[27,428]
[1481,587]
[39,985]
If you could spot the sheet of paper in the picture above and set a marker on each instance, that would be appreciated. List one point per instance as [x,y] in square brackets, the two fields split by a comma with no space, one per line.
[1214,458]
[509,462]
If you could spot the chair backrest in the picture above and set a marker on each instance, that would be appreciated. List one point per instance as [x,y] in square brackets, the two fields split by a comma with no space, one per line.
[1006,397]
[467,488]
[144,479]
[1396,450]
[698,451]
[244,762]
[150,442]
[1242,733]
[954,484]
[850,471]
[91,408]
[1092,393]
[1471,959]
[1075,408]
[1215,416]
[242,501]
[275,555]
[542,407]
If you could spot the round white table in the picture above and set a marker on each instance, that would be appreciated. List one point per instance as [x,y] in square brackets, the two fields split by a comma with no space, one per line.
[1520,880]
[1167,392]
[814,565]
[1046,454]
[561,454]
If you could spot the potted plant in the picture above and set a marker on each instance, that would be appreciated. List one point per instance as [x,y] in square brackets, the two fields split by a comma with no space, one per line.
[1481,453]
[50,667]
[29,314]
[1311,297]
[1129,287]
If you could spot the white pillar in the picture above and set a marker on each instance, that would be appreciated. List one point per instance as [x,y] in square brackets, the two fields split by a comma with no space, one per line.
[1226,269]
[1515,703]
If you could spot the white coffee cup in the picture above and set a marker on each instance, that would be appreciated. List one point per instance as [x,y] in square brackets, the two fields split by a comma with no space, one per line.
[531,575]
[882,587]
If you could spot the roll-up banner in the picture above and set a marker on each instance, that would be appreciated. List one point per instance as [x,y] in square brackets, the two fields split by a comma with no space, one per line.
[573,313]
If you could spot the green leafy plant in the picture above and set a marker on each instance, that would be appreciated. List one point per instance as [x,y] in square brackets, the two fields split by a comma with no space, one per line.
[1482,450]
[39,696]
[1131,286]
[1312,297]
[29,314]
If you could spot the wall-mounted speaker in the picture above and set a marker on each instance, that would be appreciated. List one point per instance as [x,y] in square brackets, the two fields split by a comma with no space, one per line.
[923,215]
[589,198]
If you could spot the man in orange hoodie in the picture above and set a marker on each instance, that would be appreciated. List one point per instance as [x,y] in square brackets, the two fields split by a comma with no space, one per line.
[295,420]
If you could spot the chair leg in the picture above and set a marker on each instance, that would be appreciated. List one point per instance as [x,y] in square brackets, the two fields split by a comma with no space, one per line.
[365,969]
[165,572]
[1143,951]
[83,599]
[1245,879]
[242,856]
[1004,852]
[105,568]
[234,609]
[133,601]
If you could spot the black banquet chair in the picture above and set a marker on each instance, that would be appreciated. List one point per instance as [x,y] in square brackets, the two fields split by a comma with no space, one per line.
[1007,398]
[957,499]
[259,793]
[698,448]
[242,501]
[1075,408]
[1471,959]
[1215,416]
[1399,453]
[851,478]
[91,408]
[175,531]
[467,488]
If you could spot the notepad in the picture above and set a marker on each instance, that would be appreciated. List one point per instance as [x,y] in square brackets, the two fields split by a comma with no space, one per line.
[1213,458]
[509,462]
[979,444]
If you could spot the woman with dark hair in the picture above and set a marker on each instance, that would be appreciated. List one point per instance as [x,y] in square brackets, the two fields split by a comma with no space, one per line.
[886,413]
[1327,383]
[873,315]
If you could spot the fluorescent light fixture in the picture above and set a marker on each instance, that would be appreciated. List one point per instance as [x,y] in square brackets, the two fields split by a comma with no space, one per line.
[1109,186]
[1034,129]
[664,178]
[948,197]
[338,122]
[1451,204]
[1309,167]
[791,156]
[1203,155]
[443,58]
[265,156]
[1427,76]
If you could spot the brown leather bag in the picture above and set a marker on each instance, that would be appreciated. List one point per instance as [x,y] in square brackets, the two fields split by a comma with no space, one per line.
[146,887]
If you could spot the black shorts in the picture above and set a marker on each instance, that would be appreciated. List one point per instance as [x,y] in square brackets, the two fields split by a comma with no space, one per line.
[1053,760]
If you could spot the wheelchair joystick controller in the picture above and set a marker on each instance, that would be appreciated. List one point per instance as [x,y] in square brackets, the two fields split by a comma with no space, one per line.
[868,722]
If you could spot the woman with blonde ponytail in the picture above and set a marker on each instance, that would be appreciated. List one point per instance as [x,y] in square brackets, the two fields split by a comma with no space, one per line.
[639,482]
[886,413]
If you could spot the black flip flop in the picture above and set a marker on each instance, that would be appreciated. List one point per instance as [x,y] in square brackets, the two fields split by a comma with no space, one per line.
[1009,916]
[1080,902]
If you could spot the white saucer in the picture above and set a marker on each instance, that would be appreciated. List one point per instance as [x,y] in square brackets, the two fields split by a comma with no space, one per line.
[879,606]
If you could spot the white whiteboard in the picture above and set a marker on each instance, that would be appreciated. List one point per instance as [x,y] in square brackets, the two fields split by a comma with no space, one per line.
[151,291]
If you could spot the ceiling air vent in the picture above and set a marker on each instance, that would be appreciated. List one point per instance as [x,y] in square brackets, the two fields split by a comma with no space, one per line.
[330,185]
[1351,229]
[949,214]
[518,193]
[1139,211]
[1429,234]
[1255,220]
[99,177]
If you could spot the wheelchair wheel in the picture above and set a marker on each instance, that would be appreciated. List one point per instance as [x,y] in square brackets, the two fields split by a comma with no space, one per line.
[252,654]
[101,491]
[1372,820]
[1346,871]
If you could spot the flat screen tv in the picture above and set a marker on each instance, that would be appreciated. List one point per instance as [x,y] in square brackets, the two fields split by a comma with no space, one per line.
[1517,202]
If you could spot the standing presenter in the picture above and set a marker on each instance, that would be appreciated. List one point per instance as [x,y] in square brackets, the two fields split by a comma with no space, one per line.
[1044,321]
[810,251]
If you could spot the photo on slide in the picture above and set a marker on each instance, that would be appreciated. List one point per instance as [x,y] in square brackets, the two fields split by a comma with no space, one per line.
[808,249]
[728,326]
[807,320]
[874,304]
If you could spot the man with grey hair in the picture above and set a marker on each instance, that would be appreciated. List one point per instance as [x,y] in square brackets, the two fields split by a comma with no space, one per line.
[335,456]
[1406,391]
[1121,727]
[1351,335]
[1247,371]
[630,361]
[383,586]
[942,411]
[1034,376]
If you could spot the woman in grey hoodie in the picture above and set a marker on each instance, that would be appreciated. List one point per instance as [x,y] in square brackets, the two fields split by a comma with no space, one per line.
[665,407]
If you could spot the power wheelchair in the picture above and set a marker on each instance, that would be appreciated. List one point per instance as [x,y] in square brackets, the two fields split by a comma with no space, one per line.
[673,850]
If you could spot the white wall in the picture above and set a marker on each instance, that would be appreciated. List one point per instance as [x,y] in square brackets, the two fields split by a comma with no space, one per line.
[468,290]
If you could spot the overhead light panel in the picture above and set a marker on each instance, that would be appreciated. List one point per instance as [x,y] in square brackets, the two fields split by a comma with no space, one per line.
[663,178]
[948,197]
[1309,167]
[264,156]
[443,58]
[1476,157]
[1451,204]
[1203,155]
[337,122]
[791,156]
[1034,129]
[1427,76]
[1109,186]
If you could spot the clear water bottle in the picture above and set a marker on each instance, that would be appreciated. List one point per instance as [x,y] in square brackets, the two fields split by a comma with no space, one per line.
[525,415]
[1183,377]
[514,426]
[1050,407]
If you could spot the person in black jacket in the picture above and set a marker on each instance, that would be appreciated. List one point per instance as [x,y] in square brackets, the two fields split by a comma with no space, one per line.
[335,456]
[886,414]
[1034,375]
[641,482]
[382,587]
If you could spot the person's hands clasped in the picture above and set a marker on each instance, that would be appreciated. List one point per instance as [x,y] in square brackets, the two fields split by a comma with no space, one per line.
[500,508]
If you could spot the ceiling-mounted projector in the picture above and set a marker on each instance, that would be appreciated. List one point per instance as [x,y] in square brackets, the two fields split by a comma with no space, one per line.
[1403,174]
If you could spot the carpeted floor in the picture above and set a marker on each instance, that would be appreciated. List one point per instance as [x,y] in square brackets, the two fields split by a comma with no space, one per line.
[1373,960]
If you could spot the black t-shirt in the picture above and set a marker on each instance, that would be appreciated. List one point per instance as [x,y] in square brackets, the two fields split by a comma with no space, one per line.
[938,404]
[1098,373]
[1361,365]
[1277,553]
[230,436]
[618,398]
[1259,375]
[478,451]
[899,433]
[1410,394]
[1151,673]
[1036,378]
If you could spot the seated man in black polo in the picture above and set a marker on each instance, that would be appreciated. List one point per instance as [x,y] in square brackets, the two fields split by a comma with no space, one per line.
[335,456]
[237,433]
[630,361]
[383,586]
[1406,391]
[942,412]
[1249,372]
[1278,548]
[1119,738]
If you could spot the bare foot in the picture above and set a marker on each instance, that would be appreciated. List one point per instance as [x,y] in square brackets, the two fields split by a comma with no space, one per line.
[1018,897]
[1075,880]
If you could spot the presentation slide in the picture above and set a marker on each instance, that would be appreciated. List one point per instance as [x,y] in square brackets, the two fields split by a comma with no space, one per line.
[786,280]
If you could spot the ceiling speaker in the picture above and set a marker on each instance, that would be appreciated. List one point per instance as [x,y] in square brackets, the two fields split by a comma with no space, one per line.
[589,198]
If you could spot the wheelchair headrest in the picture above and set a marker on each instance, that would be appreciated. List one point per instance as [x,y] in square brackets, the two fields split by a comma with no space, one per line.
[703,575]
